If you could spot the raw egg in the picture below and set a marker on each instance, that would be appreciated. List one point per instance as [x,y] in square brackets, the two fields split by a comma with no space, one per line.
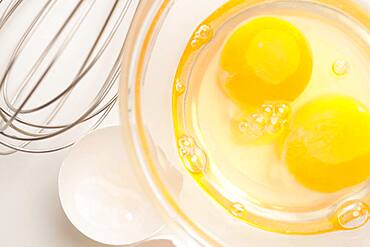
[264,60]
[327,148]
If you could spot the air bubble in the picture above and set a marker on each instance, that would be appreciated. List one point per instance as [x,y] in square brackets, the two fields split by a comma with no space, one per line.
[270,118]
[256,124]
[341,67]
[186,141]
[180,88]
[202,36]
[282,110]
[243,126]
[184,151]
[352,214]
[275,125]
[237,209]
[253,126]
[196,161]
[194,42]
[194,157]
[268,109]
[259,120]
[205,31]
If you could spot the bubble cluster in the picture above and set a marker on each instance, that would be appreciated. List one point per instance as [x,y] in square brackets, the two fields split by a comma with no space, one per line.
[194,157]
[202,36]
[270,119]
[237,209]
[352,214]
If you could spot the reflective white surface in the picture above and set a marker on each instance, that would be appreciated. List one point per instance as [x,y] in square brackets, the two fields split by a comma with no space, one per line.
[100,194]
[30,211]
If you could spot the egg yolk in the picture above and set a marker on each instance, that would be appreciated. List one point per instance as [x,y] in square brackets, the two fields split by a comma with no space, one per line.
[328,148]
[266,59]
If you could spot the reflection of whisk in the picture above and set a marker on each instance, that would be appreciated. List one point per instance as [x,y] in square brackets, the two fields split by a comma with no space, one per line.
[58,84]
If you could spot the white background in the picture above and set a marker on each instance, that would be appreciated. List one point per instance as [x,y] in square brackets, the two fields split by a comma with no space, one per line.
[30,212]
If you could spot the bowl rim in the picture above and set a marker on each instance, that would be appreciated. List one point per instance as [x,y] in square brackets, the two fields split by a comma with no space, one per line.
[141,36]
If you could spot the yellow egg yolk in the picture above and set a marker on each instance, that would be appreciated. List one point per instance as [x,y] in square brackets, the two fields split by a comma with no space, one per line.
[266,59]
[328,147]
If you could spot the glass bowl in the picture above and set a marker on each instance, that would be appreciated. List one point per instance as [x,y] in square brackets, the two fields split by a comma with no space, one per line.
[158,36]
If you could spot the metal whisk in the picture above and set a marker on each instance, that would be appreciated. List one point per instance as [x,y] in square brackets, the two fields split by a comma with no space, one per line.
[60,49]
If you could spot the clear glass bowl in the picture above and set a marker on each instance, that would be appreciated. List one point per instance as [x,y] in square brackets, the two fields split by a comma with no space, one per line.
[159,33]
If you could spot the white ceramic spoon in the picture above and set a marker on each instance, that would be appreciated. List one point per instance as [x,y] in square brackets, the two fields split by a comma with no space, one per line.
[99,192]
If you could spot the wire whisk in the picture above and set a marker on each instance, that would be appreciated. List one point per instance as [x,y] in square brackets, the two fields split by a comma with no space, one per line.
[59,79]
